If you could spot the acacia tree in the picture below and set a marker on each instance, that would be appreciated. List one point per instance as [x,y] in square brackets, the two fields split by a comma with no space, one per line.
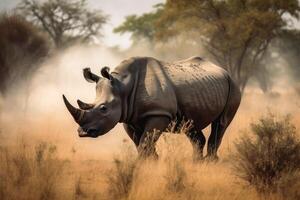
[65,22]
[141,26]
[236,33]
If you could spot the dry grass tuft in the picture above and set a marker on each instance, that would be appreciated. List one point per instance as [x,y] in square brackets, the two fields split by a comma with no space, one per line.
[29,173]
[120,178]
[79,192]
[267,160]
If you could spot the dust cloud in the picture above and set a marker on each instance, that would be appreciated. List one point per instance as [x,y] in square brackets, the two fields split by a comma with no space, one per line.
[38,112]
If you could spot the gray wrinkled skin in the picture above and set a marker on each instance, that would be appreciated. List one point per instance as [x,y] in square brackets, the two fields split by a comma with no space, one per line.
[146,94]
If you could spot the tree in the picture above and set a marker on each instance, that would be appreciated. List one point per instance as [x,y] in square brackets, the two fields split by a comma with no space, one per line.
[289,48]
[141,26]
[23,47]
[65,22]
[236,33]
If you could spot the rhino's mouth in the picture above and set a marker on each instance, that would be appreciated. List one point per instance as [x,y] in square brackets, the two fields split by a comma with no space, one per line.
[87,132]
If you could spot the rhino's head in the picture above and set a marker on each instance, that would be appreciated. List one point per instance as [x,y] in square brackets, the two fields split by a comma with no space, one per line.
[101,116]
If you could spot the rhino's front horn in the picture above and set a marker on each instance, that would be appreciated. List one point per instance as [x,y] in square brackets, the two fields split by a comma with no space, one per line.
[75,112]
[84,106]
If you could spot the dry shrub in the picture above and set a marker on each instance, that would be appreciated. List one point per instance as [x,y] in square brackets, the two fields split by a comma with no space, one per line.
[28,173]
[289,186]
[266,160]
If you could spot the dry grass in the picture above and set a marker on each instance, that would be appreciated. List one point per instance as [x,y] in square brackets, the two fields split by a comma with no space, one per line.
[28,173]
[79,191]
[120,178]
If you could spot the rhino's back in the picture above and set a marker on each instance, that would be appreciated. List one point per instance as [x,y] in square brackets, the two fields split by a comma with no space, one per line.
[201,89]
[194,88]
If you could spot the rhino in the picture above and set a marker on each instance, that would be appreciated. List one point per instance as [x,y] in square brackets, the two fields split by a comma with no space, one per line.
[146,95]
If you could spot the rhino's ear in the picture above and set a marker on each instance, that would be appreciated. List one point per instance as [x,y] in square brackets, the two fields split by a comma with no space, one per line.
[89,76]
[105,73]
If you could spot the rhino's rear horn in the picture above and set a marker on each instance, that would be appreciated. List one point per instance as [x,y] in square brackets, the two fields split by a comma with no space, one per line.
[75,112]
[89,76]
[85,106]
[105,73]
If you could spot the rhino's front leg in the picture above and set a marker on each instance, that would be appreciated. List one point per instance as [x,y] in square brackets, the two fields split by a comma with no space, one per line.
[153,127]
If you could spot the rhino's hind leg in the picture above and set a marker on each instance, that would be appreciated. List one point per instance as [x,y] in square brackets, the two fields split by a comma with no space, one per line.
[219,126]
[215,138]
[198,140]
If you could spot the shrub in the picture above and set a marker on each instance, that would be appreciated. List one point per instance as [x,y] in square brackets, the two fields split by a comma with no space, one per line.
[289,186]
[273,153]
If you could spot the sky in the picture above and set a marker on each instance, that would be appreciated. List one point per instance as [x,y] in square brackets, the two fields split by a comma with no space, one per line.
[117,10]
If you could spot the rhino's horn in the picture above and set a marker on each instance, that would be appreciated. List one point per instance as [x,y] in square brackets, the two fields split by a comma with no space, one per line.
[75,112]
[89,76]
[84,106]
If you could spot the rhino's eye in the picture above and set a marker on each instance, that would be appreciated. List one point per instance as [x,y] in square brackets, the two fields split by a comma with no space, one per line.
[103,108]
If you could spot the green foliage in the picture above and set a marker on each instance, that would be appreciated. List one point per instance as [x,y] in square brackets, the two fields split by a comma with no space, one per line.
[65,22]
[23,47]
[236,33]
[141,26]
[265,160]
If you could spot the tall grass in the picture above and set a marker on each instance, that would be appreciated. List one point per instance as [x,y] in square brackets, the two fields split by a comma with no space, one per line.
[28,173]
[147,178]
[120,178]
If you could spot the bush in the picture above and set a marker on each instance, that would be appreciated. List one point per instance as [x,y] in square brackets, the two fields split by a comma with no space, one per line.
[273,153]
[23,47]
